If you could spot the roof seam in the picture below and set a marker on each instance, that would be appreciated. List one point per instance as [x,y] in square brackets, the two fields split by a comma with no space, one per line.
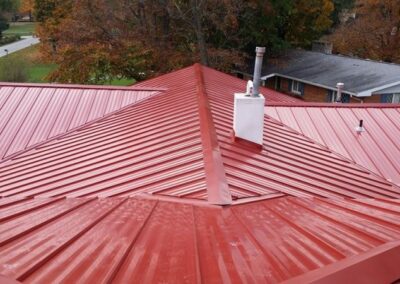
[76,129]
[83,87]
[335,153]
[131,245]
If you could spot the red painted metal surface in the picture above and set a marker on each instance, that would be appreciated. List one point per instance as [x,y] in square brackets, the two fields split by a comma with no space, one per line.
[217,186]
[352,269]
[147,241]
[333,125]
[177,143]
[34,113]
[166,145]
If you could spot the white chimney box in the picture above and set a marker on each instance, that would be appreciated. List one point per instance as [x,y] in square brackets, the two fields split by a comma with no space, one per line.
[248,117]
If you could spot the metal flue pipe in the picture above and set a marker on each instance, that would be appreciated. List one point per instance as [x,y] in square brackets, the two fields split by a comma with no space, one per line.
[339,87]
[257,71]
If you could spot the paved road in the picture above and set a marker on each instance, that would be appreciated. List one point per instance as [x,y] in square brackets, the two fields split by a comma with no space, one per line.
[26,41]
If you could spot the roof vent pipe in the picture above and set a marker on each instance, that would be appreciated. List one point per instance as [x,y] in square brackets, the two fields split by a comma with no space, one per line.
[257,71]
[248,113]
[360,128]
[339,87]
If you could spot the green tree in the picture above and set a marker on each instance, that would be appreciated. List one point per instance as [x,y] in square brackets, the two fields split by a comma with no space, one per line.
[5,6]
[3,25]
[308,20]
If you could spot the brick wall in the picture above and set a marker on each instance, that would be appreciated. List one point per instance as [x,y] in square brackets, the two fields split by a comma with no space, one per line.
[373,99]
[311,93]
[270,83]
[314,94]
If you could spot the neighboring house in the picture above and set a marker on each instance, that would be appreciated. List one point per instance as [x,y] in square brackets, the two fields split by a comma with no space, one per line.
[159,191]
[313,76]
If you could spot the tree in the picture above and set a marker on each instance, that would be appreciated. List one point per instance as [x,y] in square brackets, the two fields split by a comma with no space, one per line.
[341,6]
[144,38]
[374,34]
[3,25]
[5,6]
[27,6]
[308,21]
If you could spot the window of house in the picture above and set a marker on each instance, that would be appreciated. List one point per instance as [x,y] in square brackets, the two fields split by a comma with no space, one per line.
[296,87]
[277,83]
[390,98]
[332,95]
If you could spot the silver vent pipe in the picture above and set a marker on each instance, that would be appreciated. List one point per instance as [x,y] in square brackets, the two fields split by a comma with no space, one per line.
[257,71]
[339,87]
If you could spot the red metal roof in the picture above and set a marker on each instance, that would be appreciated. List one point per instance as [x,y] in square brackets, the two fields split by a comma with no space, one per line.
[179,144]
[34,113]
[157,162]
[333,125]
[98,240]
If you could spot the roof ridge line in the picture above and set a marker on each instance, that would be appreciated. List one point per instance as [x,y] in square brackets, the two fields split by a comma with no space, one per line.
[218,192]
[334,152]
[75,129]
[83,87]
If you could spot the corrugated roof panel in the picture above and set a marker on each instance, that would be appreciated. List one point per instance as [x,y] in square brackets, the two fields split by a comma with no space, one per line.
[169,150]
[49,116]
[376,149]
[157,147]
[13,129]
[52,240]
[289,162]
[30,114]
[153,148]
[82,111]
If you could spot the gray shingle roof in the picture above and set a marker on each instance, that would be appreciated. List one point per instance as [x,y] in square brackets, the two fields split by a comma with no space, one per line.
[360,76]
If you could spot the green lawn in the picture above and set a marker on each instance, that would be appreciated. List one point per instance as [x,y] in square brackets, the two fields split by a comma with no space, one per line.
[38,70]
[21,29]
[122,82]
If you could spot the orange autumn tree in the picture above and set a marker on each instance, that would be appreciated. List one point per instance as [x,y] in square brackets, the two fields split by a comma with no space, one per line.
[374,34]
[27,7]
[94,41]
[308,20]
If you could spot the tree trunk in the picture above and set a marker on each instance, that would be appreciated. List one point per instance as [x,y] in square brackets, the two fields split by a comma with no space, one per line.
[199,32]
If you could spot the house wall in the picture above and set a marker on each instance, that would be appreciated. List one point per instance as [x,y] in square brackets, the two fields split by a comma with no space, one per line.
[373,99]
[314,93]
[311,93]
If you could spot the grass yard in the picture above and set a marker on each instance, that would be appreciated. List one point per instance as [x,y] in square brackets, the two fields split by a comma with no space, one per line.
[38,70]
[21,29]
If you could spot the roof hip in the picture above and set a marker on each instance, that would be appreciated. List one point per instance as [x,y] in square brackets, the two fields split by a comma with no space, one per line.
[217,185]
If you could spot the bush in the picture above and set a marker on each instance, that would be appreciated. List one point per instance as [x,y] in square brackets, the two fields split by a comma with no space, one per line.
[13,69]
[9,39]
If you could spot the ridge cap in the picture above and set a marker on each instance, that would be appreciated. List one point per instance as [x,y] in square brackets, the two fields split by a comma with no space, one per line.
[218,192]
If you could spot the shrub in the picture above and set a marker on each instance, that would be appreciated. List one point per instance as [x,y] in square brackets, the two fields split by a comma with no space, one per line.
[9,39]
[13,69]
